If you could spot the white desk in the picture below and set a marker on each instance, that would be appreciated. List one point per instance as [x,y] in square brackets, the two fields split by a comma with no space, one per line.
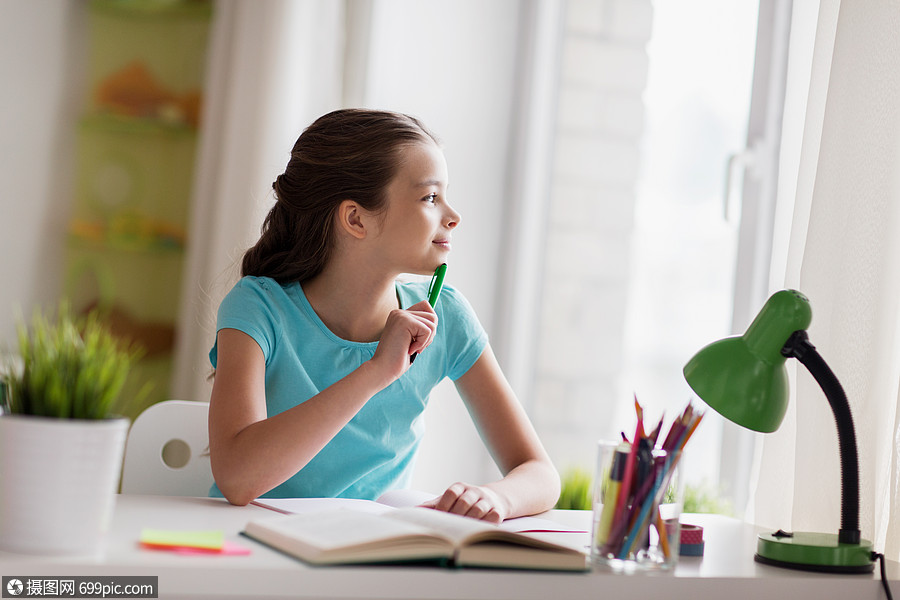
[726,571]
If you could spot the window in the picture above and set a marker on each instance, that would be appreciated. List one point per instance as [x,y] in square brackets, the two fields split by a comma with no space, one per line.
[640,260]
[697,105]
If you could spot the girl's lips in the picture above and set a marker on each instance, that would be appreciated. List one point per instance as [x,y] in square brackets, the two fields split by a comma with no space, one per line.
[442,243]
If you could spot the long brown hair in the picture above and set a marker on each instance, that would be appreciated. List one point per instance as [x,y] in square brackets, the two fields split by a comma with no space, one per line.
[349,154]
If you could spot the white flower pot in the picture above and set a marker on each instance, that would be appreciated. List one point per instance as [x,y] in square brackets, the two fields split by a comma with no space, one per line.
[58,482]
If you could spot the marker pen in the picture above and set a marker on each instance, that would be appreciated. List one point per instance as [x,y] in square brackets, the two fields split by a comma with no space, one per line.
[434,292]
[616,474]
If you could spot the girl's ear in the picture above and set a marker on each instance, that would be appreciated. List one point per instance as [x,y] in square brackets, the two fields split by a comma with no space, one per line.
[352,219]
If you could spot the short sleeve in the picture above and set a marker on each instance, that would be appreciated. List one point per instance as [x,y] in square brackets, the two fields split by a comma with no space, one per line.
[248,308]
[466,338]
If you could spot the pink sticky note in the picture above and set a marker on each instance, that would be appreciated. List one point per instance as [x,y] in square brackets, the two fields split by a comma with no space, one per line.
[228,549]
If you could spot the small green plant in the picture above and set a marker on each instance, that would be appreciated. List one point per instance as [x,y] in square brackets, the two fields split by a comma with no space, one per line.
[705,499]
[576,490]
[71,368]
[702,498]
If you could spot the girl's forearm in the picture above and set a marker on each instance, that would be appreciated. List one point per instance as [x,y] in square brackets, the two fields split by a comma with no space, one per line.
[528,489]
[268,452]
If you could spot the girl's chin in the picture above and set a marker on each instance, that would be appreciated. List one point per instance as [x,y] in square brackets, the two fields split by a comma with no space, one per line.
[429,271]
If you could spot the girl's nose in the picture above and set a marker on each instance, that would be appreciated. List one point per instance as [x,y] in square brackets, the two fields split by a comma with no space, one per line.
[452,217]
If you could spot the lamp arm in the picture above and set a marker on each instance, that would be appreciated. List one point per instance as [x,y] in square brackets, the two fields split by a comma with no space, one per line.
[798,346]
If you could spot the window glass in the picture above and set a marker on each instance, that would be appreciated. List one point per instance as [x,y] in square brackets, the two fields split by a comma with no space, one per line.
[681,290]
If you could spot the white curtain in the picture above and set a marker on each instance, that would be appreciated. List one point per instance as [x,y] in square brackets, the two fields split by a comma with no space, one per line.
[843,251]
[273,67]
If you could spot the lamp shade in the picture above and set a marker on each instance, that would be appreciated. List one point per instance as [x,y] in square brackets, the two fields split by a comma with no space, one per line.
[744,377]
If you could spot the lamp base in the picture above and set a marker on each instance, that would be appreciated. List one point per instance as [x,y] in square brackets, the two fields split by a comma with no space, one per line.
[814,552]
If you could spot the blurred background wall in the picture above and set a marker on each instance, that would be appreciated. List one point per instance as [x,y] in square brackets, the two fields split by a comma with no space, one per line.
[546,110]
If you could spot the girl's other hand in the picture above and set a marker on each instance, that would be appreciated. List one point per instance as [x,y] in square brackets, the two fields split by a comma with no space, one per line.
[475,501]
[405,332]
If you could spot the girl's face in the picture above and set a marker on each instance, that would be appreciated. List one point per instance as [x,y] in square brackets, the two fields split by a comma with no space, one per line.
[415,230]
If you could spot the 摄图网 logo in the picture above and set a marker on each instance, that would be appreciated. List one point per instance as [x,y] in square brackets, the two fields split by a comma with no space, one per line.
[14,587]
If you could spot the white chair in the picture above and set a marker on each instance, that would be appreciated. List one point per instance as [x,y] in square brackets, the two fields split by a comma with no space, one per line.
[167,451]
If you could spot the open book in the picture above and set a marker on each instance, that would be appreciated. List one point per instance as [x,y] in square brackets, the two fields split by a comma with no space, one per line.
[392,500]
[348,536]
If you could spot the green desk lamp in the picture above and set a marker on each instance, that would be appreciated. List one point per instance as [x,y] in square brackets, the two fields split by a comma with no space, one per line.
[745,380]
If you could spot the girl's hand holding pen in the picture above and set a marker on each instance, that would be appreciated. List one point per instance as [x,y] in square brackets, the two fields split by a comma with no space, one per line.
[405,333]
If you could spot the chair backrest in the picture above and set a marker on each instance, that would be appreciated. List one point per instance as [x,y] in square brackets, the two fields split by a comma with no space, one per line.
[167,451]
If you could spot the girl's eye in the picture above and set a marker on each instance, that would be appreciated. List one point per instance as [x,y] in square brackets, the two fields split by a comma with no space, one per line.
[431,198]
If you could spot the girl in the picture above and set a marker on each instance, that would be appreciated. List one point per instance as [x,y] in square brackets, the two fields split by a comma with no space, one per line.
[314,393]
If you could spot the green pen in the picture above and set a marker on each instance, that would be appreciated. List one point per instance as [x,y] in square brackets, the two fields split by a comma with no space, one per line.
[434,292]
[437,284]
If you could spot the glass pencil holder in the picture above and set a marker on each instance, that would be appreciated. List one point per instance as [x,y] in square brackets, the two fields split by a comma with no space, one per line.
[637,503]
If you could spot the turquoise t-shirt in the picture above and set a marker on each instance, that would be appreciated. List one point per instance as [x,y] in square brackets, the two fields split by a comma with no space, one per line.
[375,451]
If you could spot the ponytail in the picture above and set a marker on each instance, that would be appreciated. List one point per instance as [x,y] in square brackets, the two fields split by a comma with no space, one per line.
[283,252]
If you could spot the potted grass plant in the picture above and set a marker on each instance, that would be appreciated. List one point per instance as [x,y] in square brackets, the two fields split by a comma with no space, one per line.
[61,441]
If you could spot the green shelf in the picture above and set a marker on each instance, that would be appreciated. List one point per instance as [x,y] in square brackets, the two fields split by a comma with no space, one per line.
[155,8]
[113,123]
[136,149]
[136,246]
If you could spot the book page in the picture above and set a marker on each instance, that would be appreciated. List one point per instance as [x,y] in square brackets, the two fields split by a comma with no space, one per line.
[489,554]
[405,498]
[296,506]
[454,527]
[341,530]
[408,498]
[385,502]
[398,499]
[463,531]
[537,524]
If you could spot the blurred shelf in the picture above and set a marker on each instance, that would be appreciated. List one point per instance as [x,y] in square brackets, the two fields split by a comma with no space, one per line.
[155,8]
[134,245]
[115,123]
